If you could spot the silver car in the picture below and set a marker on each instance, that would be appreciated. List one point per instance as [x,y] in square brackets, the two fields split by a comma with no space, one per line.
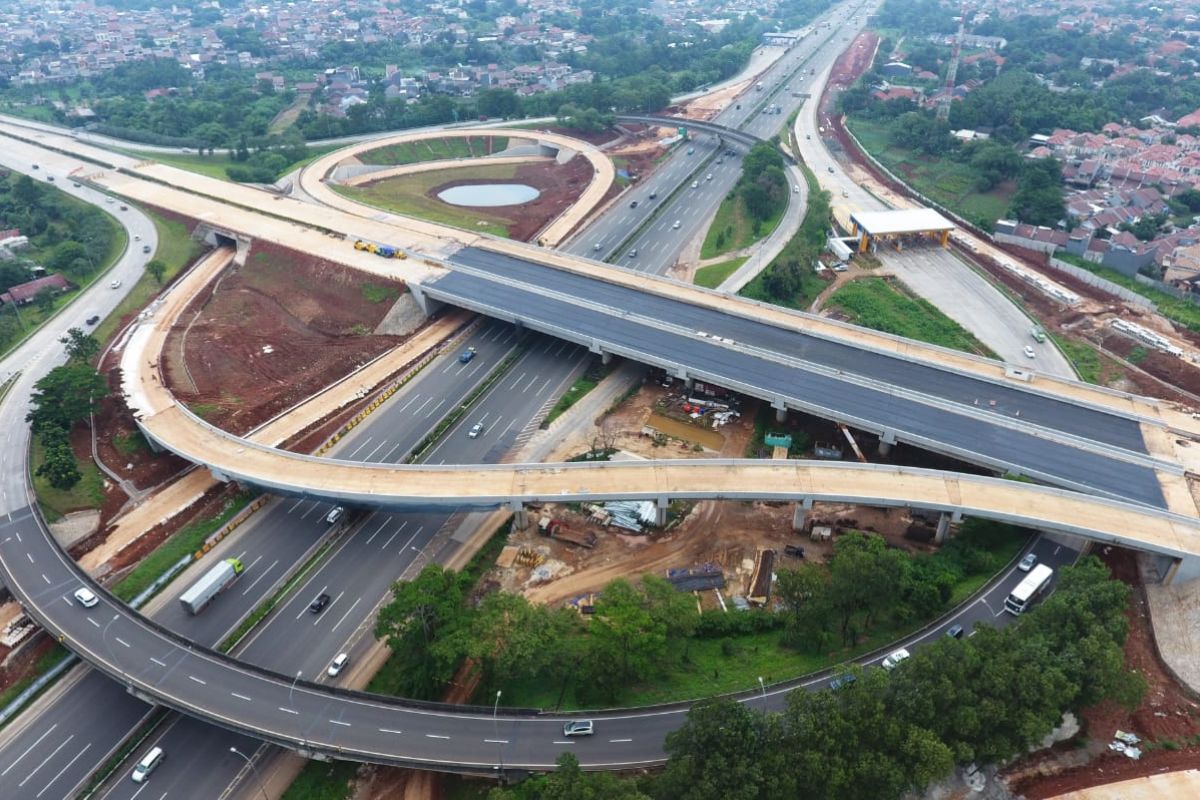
[579,727]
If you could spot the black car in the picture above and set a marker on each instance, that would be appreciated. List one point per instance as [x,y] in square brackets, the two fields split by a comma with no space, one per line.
[634,204]
[318,605]
[92,320]
[955,631]
[842,680]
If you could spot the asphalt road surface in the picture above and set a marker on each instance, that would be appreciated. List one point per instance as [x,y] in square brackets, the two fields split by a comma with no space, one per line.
[657,248]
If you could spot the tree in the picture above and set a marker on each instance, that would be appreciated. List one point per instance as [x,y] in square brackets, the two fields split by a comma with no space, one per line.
[569,782]
[502,103]
[626,642]
[80,346]
[513,640]
[423,625]
[725,751]
[44,300]
[66,395]
[58,465]
[865,577]
[157,269]
[1039,196]
[804,593]
[68,257]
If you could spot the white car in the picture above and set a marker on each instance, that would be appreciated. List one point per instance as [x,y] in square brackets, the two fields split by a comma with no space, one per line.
[86,597]
[115,285]
[1027,562]
[476,429]
[695,184]
[338,664]
[676,225]
[1029,352]
[579,727]
[894,658]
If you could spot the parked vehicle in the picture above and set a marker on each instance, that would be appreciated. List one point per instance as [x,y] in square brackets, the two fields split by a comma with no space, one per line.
[211,584]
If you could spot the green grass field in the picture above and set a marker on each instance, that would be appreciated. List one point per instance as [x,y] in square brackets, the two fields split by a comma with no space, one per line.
[710,277]
[214,165]
[732,229]
[405,194]
[883,306]
[434,150]
[948,182]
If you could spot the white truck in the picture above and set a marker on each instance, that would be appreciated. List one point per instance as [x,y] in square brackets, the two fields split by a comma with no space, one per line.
[211,584]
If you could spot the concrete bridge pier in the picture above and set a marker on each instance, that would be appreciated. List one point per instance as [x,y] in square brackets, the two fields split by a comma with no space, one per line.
[660,513]
[520,515]
[424,301]
[886,440]
[800,515]
[1183,570]
[943,526]
[605,357]
[780,411]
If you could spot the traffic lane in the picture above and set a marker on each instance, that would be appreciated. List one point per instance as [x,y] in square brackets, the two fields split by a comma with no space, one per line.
[53,753]
[1003,399]
[406,418]
[510,404]
[355,576]
[912,420]
[184,766]
[361,725]
[381,549]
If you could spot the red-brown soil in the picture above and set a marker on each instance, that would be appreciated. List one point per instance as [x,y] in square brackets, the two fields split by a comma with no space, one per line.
[266,335]
[1168,713]
[560,186]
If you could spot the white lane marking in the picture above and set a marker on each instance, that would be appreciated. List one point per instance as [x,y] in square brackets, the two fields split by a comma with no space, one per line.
[389,730]
[427,402]
[366,442]
[545,386]
[289,710]
[304,608]
[30,557]
[47,580]
[97,624]
[412,400]
[517,380]
[53,753]
[156,661]
[331,602]
[564,741]
[295,505]
[615,741]
[339,722]
[343,619]
[121,641]
[242,697]
[373,452]
[495,741]
[261,575]
[63,771]
[435,736]
[435,409]
[197,680]
[49,731]
[382,523]
[531,382]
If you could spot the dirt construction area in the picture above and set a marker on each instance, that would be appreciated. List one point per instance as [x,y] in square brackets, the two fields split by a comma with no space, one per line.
[270,333]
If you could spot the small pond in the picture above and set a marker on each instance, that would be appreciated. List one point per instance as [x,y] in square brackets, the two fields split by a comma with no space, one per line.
[487,195]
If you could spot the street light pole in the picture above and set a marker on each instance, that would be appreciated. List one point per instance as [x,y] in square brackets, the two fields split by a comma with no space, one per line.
[496,734]
[253,769]
[293,689]
[763,686]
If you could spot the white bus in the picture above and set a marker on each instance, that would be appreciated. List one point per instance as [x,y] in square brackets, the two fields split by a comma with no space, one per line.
[1028,589]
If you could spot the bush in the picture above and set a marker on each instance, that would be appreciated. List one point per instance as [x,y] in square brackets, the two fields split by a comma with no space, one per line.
[250,174]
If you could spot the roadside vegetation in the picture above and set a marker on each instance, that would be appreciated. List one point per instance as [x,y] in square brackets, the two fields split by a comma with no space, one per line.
[589,380]
[982,699]
[66,236]
[790,279]
[434,150]
[1183,312]
[265,162]
[883,305]
[754,206]
[714,275]
[323,780]
[646,643]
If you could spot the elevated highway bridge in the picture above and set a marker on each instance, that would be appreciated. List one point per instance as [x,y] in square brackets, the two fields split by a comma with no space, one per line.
[724,131]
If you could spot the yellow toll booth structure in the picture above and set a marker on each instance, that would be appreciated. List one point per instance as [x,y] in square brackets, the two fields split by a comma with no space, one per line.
[898,227]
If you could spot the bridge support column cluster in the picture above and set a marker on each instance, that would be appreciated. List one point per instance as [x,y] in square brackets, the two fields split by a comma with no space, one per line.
[943,526]
[605,357]
[886,440]
[800,515]
[1183,570]
[424,301]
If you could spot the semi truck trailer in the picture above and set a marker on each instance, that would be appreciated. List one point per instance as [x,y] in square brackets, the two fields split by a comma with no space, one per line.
[211,584]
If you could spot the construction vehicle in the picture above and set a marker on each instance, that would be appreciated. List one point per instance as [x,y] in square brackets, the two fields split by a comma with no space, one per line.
[211,584]
[382,250]
[554,528]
